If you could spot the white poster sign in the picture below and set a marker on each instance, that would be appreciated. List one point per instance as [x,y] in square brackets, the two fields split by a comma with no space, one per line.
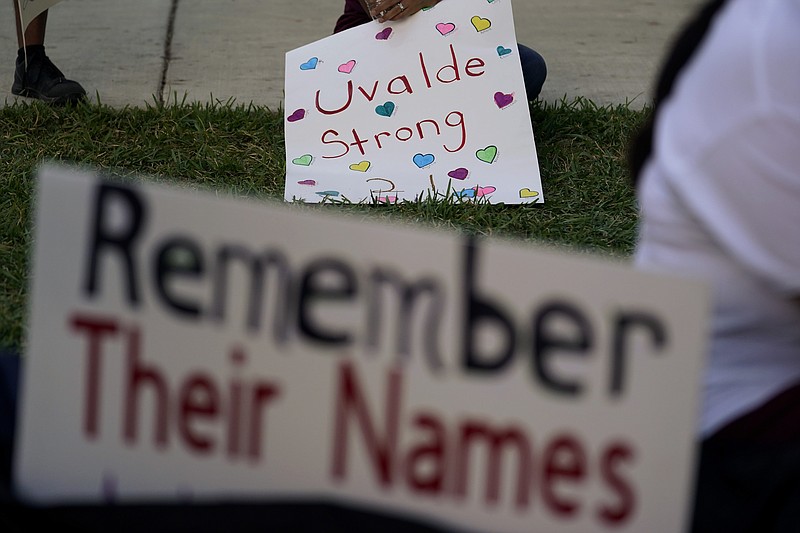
[434,104]
[185,347]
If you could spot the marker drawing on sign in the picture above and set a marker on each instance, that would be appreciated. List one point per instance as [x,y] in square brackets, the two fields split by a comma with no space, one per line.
[311,64]
[304,160]
[383,34]
[298,114]
[423,160]
[460,173]
[503,51]
[445,28]
[488,154]
[386,109]
[502,99]
[363,166]
[347,68]
[480,23]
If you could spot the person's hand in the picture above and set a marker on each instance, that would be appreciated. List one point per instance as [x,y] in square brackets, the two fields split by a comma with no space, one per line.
[385,10]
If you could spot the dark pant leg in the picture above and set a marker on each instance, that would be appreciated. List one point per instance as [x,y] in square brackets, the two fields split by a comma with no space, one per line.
[749,472]
[9,389]
[534,70]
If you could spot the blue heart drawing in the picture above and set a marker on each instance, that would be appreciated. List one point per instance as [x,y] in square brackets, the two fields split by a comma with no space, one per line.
[503,51]
[385,110]
[465,193]
[423,160]
[328,193]
[311,64]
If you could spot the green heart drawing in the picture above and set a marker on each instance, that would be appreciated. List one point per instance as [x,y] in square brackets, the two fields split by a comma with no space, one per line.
[303,160]
[488,154]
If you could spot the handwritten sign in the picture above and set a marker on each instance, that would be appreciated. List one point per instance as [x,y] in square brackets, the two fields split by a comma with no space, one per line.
[431,105]
[178,351]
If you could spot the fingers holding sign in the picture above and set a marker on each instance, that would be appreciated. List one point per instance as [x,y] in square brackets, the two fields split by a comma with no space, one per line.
[386,10]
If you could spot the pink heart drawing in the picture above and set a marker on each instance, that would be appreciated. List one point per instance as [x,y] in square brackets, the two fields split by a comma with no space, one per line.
[347,68]
[502,99]
[460,173]
[298,114]
[445,27]
[483,191]
[307,182]
[383,34]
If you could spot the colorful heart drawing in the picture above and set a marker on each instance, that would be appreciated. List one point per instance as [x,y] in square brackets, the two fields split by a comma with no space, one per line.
[423,160]
[502,100]
[445,27]
[488,154]
[303,160]
[460,173]
[360,167]
[476,192]
[328,193]
[387,199]
[298,114]
[480,23]
[307,182]
[347,68]
[383,34]
[311,64]
[386,109]
[503,51]
[527,193]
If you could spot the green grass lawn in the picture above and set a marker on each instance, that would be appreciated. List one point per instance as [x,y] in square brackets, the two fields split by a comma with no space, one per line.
[240,150]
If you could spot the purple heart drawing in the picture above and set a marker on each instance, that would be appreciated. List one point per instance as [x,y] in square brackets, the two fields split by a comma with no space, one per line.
[502,99]
[383,34]
[307,182]
[460,173]
[299,114]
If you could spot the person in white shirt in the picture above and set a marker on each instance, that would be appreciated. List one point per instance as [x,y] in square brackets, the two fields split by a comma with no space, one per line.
[718,181]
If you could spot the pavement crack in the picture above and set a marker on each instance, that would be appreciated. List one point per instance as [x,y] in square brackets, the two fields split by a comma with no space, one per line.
[167,56]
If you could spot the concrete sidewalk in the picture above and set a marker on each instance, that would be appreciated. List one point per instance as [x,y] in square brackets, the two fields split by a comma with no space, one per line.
[137,51]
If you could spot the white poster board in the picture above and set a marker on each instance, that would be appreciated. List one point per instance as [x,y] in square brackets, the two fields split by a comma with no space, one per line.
[184,347]
[434,104]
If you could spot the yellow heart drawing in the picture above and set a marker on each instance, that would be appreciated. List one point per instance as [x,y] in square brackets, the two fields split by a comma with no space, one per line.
[527,193]
[360,167]
[481,23]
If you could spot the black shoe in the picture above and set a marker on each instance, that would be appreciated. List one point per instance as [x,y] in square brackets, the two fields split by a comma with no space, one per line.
[43,80]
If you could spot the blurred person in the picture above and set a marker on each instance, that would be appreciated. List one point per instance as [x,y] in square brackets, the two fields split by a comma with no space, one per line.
[717,172]
[357,12]
[35,76]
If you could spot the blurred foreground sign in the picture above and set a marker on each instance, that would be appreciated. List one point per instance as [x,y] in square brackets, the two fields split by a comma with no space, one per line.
[185,347]
[432,104]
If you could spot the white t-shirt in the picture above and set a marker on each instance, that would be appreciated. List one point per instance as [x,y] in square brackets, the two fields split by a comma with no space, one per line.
[720,199]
